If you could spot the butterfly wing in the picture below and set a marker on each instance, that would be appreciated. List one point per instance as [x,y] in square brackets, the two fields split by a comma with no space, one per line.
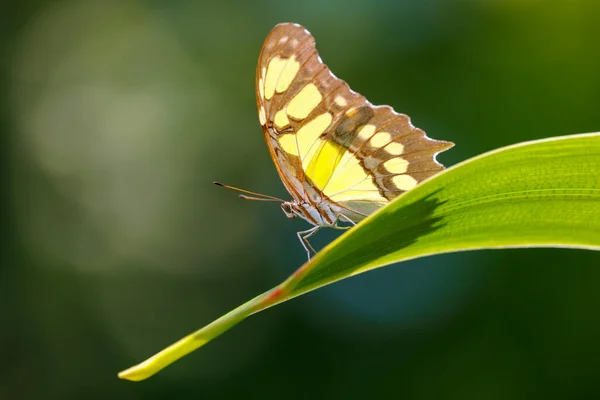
[281,70]
[328,142]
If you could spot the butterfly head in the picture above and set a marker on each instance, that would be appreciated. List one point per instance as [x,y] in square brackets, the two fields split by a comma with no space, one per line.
[289,209]
[315,214]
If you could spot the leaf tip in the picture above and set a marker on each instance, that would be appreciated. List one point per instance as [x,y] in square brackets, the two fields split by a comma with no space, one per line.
[136,373]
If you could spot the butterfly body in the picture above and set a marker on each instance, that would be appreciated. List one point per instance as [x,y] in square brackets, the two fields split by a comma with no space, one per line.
[339,156]
[322,214]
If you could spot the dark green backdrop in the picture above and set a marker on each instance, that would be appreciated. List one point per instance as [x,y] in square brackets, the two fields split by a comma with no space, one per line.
[116,116]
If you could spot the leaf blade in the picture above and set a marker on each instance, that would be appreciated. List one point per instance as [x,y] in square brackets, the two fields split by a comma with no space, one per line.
[544,193]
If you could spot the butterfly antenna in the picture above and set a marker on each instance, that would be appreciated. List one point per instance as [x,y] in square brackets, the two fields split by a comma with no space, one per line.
[255,196]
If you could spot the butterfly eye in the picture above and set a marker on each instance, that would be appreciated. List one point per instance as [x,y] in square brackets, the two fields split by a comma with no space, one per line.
[287,209]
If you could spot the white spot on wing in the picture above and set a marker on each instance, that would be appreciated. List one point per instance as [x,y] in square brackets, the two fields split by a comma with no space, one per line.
[261,115]
[261,88]
[340,101]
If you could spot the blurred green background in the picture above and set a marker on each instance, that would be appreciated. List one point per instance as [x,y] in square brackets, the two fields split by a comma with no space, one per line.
[115,118]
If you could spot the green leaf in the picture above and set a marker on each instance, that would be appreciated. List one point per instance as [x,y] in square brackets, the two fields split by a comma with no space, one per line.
[537,194]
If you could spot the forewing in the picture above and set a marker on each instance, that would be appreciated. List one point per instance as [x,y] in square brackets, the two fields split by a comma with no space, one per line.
[282,66]
[328,141]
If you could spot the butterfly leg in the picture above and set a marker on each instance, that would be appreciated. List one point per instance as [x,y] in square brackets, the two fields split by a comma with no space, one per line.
[342,217]
[304,235]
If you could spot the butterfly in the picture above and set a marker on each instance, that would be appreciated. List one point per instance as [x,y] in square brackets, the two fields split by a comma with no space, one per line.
[339,156]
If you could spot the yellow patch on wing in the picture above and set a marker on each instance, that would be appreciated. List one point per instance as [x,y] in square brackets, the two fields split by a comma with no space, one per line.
[380,139]
[287,75]
[310,154]
[404,182]
[281,120]
[366,132]
[396,165]
[367,184]
[304,102]
[349,173]
[261,87]
[288,143]
[364,195]
[309,133]
[274,69]
[324,162]
[395,148]
[347,157]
